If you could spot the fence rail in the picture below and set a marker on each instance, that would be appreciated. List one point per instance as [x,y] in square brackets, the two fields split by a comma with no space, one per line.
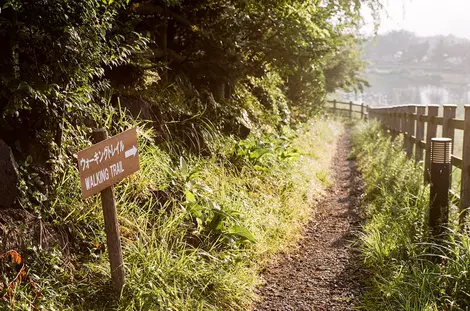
[419,125]
[348,107]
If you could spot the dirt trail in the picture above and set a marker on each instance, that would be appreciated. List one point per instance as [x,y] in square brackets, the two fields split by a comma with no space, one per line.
[324,274]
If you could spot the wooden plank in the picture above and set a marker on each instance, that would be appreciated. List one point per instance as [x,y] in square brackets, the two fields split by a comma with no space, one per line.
[342,103]
[447,129]
[393,121]
[111,225]
[449,114]
[396,111]
[431,133]
[389,120]
[437,120]
[457,124]
[465,181]
[410,129]
[456,161]
[107,162]
[422,144]
[420,111]
[401,117]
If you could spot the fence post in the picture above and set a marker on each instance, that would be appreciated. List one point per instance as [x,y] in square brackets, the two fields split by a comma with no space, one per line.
[393,111]
[410,129]
[431,131]
[440,180]
[450,112]
[111,226]
[402,120]
[420,112]
[334,105]
[390,120]
[350,109]
[385,118]
[465,181]
[394,122]
[362,110]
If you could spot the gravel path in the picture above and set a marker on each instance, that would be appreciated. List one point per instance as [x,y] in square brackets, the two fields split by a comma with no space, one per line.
[324,273]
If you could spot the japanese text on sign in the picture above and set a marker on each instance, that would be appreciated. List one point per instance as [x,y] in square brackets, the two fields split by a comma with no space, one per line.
[107,162]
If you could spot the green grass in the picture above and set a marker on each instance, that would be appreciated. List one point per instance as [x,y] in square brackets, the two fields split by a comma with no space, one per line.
[410,271]
[196,231]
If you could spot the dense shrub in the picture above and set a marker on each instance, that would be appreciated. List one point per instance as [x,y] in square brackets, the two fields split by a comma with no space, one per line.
[409,270]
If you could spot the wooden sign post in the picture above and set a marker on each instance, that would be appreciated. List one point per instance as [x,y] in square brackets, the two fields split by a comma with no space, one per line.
[101,166]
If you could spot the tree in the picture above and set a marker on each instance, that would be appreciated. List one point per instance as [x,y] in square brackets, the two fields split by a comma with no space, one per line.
[62,59]
[54,55]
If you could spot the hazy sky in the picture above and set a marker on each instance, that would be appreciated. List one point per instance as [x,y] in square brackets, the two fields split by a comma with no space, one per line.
[428,17]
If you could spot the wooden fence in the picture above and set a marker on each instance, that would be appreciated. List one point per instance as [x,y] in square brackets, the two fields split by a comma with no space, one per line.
[419,125]
[348,108]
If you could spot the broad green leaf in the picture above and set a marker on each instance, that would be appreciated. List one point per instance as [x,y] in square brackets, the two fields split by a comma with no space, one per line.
[243,233]
[190,197]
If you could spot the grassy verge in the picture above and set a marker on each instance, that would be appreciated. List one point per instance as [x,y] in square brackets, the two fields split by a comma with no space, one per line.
[409,272]
[195,230]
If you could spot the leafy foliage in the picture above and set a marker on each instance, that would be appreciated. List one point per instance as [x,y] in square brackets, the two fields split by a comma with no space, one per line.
[410,271]
[194,229]
[191,68]
[197,78]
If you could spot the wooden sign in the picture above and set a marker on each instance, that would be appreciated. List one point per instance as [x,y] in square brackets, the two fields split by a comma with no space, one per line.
[107,162]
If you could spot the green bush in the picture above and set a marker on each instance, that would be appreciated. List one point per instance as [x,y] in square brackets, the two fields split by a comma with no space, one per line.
[409,272]
[195,230]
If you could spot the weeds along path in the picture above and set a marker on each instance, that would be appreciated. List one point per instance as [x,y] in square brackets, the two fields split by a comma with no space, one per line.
[324,273]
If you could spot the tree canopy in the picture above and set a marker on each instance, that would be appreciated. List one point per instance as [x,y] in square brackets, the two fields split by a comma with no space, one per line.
[61,60]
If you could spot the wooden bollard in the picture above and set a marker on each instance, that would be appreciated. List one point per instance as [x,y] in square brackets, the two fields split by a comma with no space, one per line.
[440,181]
[111,226]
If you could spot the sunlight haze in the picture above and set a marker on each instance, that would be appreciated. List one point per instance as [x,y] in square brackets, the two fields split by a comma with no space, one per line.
[426,17]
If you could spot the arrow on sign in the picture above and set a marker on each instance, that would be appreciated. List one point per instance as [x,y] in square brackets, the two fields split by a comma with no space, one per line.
[131,152]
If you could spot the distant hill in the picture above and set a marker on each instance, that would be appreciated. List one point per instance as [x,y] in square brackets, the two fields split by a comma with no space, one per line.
[403,49]
[405,68]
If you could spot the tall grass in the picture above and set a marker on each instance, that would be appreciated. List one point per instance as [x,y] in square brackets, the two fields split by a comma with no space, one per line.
[196,230]
[410,271]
